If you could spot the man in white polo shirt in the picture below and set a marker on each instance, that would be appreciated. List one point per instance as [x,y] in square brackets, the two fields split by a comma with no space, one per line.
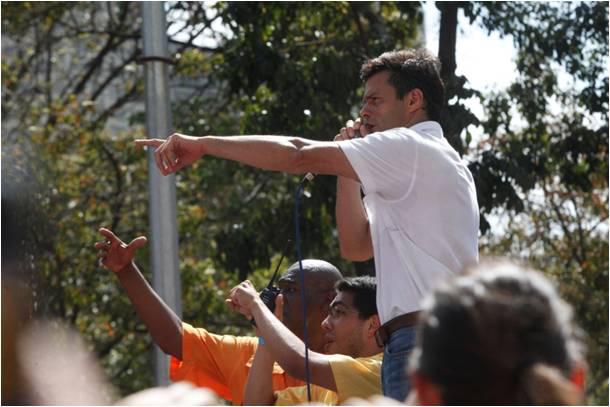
[419,218]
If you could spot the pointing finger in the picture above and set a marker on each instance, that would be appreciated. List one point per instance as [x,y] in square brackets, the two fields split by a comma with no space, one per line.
[107,233]
[152,142]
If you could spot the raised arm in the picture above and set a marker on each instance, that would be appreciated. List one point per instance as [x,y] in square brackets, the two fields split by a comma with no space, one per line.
[276,153]
[353,225]
[163,324]
[285,347]
[259,387]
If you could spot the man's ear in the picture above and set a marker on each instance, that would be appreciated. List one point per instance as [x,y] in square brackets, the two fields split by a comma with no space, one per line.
[426,392]
[415,100]
[373,325]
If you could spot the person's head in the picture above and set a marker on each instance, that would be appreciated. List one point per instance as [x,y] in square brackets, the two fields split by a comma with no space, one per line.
[320,278]
[352,319]
[498,335]
[401,88]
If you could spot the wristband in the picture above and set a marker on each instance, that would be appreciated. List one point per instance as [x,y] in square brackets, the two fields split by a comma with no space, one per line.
[261,340]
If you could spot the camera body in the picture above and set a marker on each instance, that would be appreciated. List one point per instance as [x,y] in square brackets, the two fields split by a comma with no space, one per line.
[268,295]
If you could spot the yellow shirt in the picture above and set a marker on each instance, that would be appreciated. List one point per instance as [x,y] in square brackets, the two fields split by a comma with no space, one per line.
[359,377]
[221,363]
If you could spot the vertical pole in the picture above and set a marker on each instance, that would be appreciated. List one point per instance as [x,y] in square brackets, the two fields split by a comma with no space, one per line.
[162,208]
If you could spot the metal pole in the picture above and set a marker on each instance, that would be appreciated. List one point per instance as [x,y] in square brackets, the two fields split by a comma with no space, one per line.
[162,209]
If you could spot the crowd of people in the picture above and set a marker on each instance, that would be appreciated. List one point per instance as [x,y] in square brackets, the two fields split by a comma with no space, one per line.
[407,199]
[434,326]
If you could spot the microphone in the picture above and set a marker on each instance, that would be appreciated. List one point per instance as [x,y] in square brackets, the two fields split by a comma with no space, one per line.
[308,177]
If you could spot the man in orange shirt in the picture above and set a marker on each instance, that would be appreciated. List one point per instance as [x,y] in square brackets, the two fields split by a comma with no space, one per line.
[220,362]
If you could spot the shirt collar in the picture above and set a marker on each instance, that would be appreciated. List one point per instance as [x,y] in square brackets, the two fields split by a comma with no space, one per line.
[429,127]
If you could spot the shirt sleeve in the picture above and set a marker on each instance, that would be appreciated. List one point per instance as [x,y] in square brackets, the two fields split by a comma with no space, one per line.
[385,161]
[210,360]
[359,377]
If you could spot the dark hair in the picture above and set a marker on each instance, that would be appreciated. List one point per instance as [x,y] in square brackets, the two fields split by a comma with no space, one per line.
[411,69]
[363,290]
[491,337]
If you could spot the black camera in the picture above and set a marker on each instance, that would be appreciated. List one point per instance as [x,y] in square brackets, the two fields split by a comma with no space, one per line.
[270,293]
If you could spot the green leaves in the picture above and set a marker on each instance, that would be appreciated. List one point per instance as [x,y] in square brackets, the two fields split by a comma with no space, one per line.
[70,79]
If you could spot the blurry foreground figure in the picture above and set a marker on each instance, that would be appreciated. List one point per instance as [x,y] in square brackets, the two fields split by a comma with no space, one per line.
[183,394]
[59,369]
[497,335]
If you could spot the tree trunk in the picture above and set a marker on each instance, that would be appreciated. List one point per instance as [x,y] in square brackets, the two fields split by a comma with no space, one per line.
[447,39]
[450,121]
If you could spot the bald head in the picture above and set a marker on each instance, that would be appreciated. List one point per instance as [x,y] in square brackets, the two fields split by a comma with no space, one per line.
[320,278]
[318,273]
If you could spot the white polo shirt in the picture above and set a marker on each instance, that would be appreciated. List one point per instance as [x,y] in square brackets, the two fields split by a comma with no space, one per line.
[422,208]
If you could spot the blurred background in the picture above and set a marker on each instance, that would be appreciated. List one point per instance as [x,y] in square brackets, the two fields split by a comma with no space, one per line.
[527,94]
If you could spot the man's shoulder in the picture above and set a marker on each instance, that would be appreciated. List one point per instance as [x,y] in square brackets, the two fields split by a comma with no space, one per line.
[207,336]
[422,130]
[372,360]
[345,360]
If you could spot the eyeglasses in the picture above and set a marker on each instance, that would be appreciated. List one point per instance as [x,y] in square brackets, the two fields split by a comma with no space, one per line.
[336,312]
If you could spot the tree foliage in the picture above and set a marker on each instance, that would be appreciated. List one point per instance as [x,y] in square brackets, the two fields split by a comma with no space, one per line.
[543,163]
[71,79]
[71,75]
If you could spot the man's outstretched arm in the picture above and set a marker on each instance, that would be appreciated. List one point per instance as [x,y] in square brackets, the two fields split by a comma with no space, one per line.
[276,153]
[163,324]
[285,347]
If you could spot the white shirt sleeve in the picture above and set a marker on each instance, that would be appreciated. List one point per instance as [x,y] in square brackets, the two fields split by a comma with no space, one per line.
[385,161]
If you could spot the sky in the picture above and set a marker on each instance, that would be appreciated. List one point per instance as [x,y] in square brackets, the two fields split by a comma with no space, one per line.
[472,43]
[495,71]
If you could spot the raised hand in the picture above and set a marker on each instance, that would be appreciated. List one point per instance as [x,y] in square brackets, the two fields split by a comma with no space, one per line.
[113,253]
[352,129]
[242,297]
[174,153]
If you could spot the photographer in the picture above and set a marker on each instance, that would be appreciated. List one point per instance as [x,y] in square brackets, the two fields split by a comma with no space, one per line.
[351,365]
[220,362]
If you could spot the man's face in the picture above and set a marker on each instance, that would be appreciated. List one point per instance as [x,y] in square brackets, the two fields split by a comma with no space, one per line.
[343,329]
[381,109]
[317,290]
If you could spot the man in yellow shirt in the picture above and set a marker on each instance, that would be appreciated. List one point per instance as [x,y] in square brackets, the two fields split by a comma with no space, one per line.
[351,366]
[219,362]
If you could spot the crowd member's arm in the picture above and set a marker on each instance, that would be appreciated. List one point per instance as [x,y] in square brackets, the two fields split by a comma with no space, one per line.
[352,222]
[285,347]
[276,153]
[163,324]
[259,387]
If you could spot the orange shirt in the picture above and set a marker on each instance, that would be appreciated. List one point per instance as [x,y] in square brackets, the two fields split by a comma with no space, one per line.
[221,363]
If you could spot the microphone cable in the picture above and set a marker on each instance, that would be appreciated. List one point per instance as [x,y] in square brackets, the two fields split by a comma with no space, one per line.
[299,192]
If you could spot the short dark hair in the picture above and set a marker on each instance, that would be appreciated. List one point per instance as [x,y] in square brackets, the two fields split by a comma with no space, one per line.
[411,69]
[484,336]
[363,290]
